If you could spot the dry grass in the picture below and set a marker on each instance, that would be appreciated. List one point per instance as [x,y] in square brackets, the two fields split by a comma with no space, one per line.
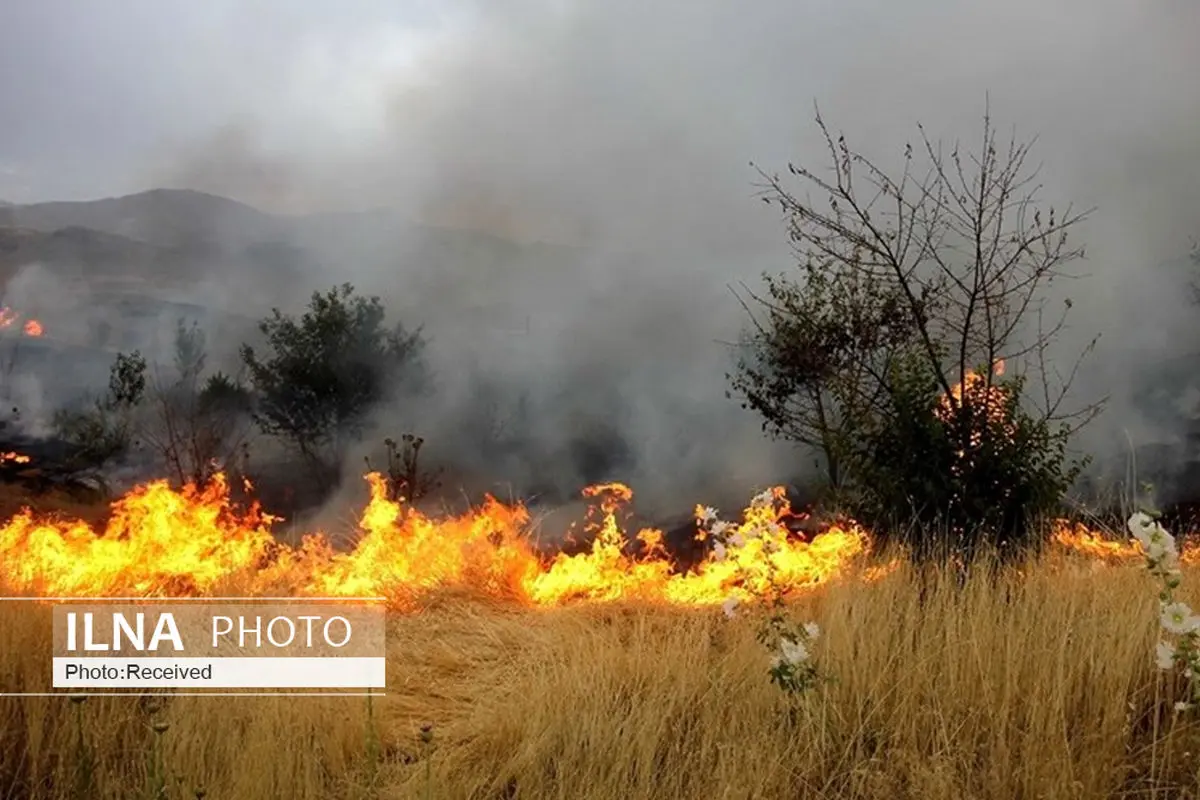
[53,502]
[1038,684]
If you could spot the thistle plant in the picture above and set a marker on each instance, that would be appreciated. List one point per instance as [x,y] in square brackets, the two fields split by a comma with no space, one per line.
[1181,647]
[748,551]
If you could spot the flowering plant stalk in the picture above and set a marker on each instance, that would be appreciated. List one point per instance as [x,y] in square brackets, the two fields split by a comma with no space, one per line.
[749,550]
[1181,650]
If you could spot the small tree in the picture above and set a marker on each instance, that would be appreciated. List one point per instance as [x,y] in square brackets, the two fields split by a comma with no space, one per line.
[197,425]
[886,353]
[105,431]
[326,370]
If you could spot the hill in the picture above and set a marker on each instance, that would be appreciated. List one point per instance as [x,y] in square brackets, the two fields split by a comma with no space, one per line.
[173,218]
[169,239]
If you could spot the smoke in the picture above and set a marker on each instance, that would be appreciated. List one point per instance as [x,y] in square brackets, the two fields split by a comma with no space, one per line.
[612,141]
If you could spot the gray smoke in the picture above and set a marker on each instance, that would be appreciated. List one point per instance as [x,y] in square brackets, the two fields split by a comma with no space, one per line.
[613,140]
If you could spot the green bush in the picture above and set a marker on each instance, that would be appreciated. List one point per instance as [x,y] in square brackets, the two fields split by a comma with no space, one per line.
[945,477]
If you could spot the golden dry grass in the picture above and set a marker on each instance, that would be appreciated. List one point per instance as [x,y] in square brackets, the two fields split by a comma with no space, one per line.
[1038,684]
[53,502]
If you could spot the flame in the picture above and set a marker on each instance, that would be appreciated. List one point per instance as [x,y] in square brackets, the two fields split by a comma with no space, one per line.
[1077,537]
[977,390]
[161,541]
[31,327]
[15,458]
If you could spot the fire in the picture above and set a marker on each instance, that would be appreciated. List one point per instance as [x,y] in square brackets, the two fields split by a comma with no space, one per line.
[161,541]
[31,327]
[13,458]
[976,389]
[1077,537]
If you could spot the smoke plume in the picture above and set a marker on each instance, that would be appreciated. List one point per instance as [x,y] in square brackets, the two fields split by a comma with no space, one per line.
[612,141]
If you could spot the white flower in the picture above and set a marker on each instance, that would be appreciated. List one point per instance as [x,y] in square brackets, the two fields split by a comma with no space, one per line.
[706,515]
[1178,618]
[1140,525]
[812,629]
[1158,538]
[1166,565]
[1182,706]
[730,606]
[1165,655]
[1147,531]
[719,527]
[1161,550]
[737,540]
[763,499]
[719,551]
[792,652]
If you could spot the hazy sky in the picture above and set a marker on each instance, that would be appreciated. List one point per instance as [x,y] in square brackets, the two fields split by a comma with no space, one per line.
[626,125]
[460,108]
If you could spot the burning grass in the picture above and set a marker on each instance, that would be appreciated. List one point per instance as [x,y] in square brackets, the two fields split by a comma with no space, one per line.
[602,675]
[160,541]
[1039,682]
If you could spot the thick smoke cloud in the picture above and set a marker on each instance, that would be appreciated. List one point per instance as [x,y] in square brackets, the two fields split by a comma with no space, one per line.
[620,134]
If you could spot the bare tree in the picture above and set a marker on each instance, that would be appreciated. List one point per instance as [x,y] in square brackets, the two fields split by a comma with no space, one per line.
[950,259]
[197,425]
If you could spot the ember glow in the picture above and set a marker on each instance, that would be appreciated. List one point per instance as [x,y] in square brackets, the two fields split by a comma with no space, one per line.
[979,391]
[9,318]
[13,458]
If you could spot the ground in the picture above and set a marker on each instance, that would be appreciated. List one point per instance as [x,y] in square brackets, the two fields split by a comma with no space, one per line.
[1038,683]
[71,504]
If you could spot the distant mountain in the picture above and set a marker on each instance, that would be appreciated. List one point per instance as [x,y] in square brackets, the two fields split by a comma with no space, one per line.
[75,250]
[178,218]
[166,238]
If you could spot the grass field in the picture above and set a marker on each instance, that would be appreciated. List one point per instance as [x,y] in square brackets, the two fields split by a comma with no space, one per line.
[1040,683]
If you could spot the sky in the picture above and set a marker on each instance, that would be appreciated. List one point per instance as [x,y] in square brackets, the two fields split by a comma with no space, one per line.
[621,126]
[310,104]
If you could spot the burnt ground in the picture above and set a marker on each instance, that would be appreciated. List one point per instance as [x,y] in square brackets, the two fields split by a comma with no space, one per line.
[44,483]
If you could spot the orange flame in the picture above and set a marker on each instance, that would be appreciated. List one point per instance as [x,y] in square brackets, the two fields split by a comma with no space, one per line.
[160,541]
[15,458]
[165,542]
[31,327]
[976,389]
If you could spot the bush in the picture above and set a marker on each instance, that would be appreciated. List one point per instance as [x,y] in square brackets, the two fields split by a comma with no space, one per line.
[104,430]
[905,281]
[323,373]
[945,474]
